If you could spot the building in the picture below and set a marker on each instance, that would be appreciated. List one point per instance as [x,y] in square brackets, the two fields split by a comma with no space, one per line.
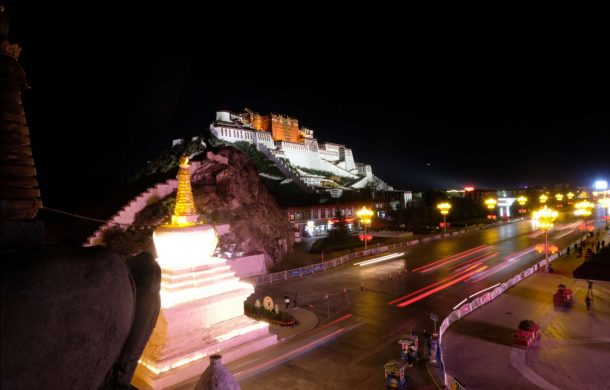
[318,219]
[384,201]
[282,140]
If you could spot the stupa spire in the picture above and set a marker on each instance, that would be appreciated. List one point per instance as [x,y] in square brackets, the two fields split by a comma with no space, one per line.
[19,192]
[185,213]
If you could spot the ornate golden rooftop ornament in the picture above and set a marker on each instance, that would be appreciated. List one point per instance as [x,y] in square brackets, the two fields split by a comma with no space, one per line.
[185,213]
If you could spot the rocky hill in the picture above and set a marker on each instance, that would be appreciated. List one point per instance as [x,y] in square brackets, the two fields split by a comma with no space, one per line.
[227,189]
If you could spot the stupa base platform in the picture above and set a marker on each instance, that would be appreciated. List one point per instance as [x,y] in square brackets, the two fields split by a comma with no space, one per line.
[231,349]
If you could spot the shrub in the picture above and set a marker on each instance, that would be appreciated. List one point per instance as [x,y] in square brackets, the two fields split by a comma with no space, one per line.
[280,318]
[527,325]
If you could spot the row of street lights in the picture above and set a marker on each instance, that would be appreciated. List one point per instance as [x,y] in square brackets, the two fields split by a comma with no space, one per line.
[545,216]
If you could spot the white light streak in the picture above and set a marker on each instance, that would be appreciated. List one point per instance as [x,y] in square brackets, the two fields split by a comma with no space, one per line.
[459,304]
[488,288]
[379,259]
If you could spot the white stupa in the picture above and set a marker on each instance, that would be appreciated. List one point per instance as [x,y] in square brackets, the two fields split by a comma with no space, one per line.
[217,377]
[202,302]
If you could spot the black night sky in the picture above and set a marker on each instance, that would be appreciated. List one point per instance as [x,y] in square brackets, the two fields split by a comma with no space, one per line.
[427,101]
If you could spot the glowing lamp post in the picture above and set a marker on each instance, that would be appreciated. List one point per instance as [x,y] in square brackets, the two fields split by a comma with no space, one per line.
[522,200]
[444,208]
[543,198]
[583,209]
[559,198]
[490,203]
[365,216]
[545,218]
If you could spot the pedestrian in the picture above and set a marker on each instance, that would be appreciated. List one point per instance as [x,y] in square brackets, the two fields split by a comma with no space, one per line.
[568,251]
[362,286]
[295,299]
[411,354]
[590,289]
[603,243]
[588,302]
[286,300]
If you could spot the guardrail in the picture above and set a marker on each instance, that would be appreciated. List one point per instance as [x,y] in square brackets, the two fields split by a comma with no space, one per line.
[465,307]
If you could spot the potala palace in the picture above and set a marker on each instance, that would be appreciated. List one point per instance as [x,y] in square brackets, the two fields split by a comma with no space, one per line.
[296,152]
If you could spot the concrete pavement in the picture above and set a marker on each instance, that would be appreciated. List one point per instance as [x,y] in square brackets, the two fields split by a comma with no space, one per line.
[572,353]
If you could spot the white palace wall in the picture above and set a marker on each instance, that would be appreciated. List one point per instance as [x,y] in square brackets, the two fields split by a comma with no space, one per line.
[231,134]
[308,154]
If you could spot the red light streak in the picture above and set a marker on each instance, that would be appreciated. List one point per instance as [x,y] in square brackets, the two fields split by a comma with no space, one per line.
[480,259]
[452,258]
[442,287]
[431,285]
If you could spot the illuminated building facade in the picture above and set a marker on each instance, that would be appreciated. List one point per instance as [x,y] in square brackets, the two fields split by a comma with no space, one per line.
[280,137]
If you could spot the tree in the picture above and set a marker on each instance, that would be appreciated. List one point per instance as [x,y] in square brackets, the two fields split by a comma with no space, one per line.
[339,231]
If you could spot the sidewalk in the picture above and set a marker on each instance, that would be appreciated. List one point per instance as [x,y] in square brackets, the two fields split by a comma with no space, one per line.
[572,352]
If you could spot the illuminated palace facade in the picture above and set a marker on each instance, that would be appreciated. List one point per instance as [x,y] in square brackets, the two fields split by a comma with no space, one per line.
[280,137]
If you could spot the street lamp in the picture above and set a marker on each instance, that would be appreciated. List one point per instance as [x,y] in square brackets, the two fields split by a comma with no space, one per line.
[490,203]
[522,200]
[444,208]
[583,209]
[545,217]
[543,198]
[559,198]
[365,216]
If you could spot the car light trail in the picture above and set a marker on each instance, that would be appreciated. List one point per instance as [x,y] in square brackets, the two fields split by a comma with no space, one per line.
[536,234]
[478,259]
[485,289]
[459,304]
[564,234]
[452,258]
[441,287]
[288,355]
[492,271]
[517,255]
[379,259]
[431,285]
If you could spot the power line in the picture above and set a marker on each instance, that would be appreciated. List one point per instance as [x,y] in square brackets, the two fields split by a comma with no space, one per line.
[95,219]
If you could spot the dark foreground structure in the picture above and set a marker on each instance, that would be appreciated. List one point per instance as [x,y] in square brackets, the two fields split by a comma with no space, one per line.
[72,318]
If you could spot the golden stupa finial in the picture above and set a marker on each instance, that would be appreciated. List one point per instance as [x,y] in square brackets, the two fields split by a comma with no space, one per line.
[185,213]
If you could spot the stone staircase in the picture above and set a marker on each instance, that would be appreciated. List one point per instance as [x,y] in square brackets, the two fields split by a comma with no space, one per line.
[126,215]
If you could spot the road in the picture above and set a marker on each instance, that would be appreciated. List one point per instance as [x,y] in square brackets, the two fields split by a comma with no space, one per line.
[362,327]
